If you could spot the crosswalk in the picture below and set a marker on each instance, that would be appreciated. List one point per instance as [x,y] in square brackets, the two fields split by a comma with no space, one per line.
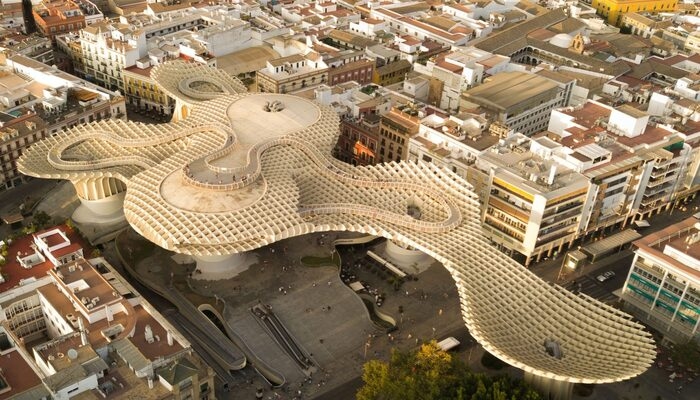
[591,287]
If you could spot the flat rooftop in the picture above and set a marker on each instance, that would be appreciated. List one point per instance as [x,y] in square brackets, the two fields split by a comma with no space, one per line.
[247,60]
[86,284]
[681,238]
[509,89]
[15,273]
[56,352]
[588,114]
[18,374]
[138,318]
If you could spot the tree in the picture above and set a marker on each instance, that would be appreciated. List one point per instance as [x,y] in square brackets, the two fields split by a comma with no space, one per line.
[41,219]
[688,354]
[626,29]
[430,373]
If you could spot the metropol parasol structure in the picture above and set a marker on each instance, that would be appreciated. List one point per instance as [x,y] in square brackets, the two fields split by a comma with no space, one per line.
[235,171]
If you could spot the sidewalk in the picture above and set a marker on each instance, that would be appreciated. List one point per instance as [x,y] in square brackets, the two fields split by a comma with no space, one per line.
[549,270]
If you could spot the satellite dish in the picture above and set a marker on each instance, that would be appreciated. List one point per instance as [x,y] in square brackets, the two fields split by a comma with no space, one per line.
[72,354]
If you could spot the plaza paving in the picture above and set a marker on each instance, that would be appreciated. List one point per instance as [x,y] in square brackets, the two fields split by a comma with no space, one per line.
[329,321]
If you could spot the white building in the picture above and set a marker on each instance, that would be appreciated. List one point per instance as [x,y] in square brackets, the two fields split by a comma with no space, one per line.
[368,27]
[198,33]
[663,285]
[400,23]
[68,320]
[453,142]
[109,48]
[519,100]
[460,70]
[531,203]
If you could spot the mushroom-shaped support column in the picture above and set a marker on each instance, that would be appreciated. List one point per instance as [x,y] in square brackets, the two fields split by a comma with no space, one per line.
[101,201]
[552,388]
[403,255]
[222,266]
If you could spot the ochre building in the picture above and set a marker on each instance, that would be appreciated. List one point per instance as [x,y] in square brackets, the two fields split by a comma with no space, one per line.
[613,10]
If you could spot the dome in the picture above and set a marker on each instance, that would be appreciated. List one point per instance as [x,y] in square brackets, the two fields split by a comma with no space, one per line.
[562,40]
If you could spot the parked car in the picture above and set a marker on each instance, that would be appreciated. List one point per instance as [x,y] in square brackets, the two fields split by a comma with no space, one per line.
[605,276]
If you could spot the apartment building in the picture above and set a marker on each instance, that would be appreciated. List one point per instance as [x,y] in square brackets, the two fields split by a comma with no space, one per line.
[596,166]
[37,100]
[416,50]
[69,45]
[33,46]
[358,140]
[637,167]
[389,67]
[642,25]
[16,134]
[292,73]
[55,17]
[352,100]
[108,48]
[143,94]
[663,285]
[451,141]
[71,326]
[349,65]
[12,17]
[519,100]
[395,130]
[369,27]
[531,205]
[613,10]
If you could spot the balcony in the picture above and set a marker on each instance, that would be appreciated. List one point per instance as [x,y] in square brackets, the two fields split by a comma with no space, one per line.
[649,270]
[504,231]
[559,209]
[508,206]
[658,181]
[653,198]
[564,231]
[504,223]
[560,217]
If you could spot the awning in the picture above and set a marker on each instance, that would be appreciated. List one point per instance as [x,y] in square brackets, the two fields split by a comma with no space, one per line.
[131,354]
[610,243]
[95,366]
[356,286]
[642,223]
[12,218]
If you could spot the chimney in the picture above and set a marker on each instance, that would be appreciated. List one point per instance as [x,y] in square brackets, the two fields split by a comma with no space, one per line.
[170,338]
[109,313]
[552,174]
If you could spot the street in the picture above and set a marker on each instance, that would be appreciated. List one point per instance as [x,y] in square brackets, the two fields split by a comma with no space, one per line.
[603,291]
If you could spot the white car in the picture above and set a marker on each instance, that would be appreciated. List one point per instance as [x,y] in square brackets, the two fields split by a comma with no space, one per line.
[605,276]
